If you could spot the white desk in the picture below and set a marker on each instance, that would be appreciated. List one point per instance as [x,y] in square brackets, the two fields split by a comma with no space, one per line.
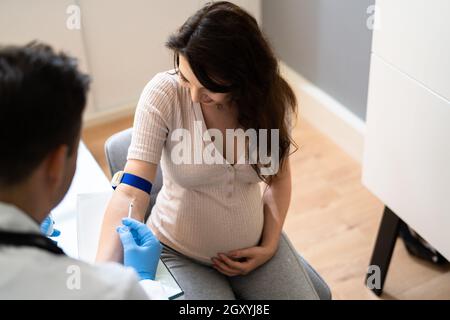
[89,178]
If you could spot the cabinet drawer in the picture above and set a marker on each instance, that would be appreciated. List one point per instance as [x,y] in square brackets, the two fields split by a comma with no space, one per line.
[414,35]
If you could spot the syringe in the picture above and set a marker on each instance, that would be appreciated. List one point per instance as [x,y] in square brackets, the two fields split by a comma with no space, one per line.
[130,210]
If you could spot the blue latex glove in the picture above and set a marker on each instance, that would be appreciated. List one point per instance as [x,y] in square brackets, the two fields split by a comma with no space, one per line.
[47,227]
[141,248]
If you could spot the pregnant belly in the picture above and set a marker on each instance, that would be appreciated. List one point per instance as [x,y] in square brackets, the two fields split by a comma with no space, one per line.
[201,232]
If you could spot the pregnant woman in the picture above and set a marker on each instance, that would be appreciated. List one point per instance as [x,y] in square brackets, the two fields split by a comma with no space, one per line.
[220,230]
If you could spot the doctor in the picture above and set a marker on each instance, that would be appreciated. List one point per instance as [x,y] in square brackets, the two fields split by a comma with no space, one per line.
[42,98]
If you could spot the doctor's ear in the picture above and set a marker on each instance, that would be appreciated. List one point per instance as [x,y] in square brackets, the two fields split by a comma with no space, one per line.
[56,164]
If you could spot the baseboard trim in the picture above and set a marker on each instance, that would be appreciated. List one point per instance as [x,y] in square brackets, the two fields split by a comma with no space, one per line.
[101,117]
[328,115]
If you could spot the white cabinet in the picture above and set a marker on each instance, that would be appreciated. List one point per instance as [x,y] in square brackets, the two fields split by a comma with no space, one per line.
[407,154]
[407,147]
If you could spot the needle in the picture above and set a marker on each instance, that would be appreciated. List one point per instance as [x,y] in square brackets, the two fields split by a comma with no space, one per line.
[130,210]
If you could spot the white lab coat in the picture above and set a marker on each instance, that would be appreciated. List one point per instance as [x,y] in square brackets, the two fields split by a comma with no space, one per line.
[33,273]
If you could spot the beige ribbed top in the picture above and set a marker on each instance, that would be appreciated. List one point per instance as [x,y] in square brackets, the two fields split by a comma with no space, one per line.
[202,209]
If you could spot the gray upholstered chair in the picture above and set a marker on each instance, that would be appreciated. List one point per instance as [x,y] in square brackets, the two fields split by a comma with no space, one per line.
[116,149]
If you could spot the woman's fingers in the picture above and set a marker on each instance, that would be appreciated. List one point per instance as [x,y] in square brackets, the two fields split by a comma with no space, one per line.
[231,263]
[239,262]
[224,268]
[224,272]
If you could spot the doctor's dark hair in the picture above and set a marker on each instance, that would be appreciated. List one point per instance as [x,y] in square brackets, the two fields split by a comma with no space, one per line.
[228,53]
[42,98]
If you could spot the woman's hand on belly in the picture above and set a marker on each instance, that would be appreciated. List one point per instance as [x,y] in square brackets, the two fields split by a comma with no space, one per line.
[243,261]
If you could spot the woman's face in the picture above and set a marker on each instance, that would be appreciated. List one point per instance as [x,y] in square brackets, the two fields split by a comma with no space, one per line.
[199,94]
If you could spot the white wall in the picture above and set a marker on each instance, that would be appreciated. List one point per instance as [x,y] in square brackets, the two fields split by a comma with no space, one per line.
[26,20]
[121,43]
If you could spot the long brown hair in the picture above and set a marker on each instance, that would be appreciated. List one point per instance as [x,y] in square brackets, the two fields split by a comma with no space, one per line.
[228,53]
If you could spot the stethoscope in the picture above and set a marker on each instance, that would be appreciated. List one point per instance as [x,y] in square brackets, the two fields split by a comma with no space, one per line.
[29,240]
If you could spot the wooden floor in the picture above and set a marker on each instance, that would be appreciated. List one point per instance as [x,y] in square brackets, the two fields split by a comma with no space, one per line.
[332,221]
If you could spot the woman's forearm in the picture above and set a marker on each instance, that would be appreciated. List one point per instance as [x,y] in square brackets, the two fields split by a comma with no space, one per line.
[276,204]
[109,247]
